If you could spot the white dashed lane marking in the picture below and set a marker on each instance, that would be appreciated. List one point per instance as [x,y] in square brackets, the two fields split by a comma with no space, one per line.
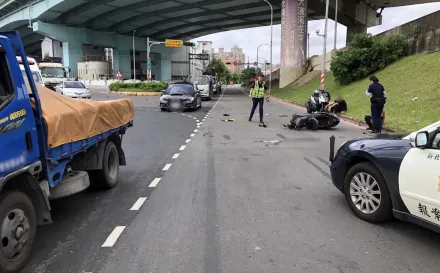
[113,237]
[139,203]
[154,183]
[167,167]
[175,156]
[182,147]
[195,130]
[192,135]
[188,140]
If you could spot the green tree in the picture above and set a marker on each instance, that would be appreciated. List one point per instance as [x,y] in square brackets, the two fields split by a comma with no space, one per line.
[217,68]
[250,72]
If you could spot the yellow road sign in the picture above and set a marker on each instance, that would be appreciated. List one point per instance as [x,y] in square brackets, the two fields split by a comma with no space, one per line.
[173,43]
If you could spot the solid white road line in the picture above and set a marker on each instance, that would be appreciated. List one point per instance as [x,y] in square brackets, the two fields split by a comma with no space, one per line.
[182,147]
[154,183]
[139,203]
[113,237]
[188,140]
[192,135]
[175,156]
[195,130]
[167,167]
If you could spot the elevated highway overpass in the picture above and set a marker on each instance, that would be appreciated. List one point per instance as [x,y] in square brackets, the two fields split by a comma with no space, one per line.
[111,23]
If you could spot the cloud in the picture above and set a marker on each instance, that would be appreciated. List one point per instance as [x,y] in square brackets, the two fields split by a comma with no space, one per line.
[250,39]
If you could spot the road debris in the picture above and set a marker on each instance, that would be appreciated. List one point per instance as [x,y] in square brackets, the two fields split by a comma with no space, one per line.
[229,120]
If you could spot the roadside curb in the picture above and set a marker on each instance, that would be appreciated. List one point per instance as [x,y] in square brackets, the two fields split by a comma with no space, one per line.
[352,120]
[136,93]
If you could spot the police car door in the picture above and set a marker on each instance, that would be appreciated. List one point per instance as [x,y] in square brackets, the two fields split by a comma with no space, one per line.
[419,181]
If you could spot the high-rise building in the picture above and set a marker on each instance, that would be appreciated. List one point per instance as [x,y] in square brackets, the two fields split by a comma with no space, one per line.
[234,60]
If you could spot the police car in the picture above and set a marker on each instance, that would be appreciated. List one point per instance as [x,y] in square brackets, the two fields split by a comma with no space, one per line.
[391,175]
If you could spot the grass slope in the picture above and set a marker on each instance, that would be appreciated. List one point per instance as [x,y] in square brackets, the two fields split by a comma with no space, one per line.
[414,76]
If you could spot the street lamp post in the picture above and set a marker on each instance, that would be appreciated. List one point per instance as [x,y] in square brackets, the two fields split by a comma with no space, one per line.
[336,24]
[257,53]
[134,58]
[324,49]
[271,38]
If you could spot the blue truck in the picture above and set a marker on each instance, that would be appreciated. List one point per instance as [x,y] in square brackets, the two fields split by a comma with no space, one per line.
[33,170]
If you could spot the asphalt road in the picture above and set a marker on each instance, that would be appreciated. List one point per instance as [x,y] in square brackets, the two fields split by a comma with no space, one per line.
[84,221]
[232,201]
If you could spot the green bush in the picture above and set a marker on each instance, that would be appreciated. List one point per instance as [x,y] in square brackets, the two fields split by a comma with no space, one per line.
[138,86]
[365,55]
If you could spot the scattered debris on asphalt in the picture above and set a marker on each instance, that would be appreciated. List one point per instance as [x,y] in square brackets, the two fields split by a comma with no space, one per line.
[269,142]
[207,135]
[226,115]
[229,119]
[282,115]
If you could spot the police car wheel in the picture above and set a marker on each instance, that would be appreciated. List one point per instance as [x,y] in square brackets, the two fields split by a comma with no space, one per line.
[367,193]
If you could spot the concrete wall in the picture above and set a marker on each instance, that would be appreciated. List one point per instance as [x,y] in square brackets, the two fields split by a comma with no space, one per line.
[423,34]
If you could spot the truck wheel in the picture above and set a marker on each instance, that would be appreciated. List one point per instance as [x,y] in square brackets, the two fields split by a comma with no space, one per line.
[107,177]
[18,227]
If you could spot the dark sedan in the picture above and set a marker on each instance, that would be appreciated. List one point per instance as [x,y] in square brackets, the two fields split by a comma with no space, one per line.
[180,96]
[391,175]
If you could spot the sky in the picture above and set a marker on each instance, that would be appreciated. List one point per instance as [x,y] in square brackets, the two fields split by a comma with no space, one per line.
[249,41]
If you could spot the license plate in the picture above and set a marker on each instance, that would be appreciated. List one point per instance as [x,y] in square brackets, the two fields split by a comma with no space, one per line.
[175,105]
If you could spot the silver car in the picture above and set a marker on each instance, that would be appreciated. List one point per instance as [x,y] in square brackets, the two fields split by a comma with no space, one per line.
[73,89]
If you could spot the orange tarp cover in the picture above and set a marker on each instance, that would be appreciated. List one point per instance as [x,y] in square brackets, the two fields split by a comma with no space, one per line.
[70,120]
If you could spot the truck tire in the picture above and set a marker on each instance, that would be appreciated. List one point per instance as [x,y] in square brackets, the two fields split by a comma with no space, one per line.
[17,217]
[107,177]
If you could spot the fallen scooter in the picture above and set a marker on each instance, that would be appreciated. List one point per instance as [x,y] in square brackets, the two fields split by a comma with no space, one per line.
[315,121]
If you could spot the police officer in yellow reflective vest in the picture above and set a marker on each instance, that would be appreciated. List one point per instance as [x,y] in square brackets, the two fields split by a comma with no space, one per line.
[257,92]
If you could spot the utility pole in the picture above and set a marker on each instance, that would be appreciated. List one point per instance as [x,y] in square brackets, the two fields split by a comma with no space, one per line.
[134,58]
[336,24]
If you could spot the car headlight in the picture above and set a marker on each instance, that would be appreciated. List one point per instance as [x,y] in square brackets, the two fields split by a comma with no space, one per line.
[162,99]
[190,99]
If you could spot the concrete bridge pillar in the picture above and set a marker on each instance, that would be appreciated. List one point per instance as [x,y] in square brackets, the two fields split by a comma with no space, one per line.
[293,40]
[353,30]
[162,67]
[122,62]
[72,54]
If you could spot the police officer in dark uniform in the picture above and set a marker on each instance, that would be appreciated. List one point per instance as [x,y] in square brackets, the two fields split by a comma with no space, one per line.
[377,100]
[257,92]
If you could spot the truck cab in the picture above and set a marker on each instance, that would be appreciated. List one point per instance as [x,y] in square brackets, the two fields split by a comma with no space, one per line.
[53,72]
[36,73]
[204,85]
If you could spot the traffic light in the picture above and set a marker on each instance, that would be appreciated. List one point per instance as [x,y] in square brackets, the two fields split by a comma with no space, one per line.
[189,44]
